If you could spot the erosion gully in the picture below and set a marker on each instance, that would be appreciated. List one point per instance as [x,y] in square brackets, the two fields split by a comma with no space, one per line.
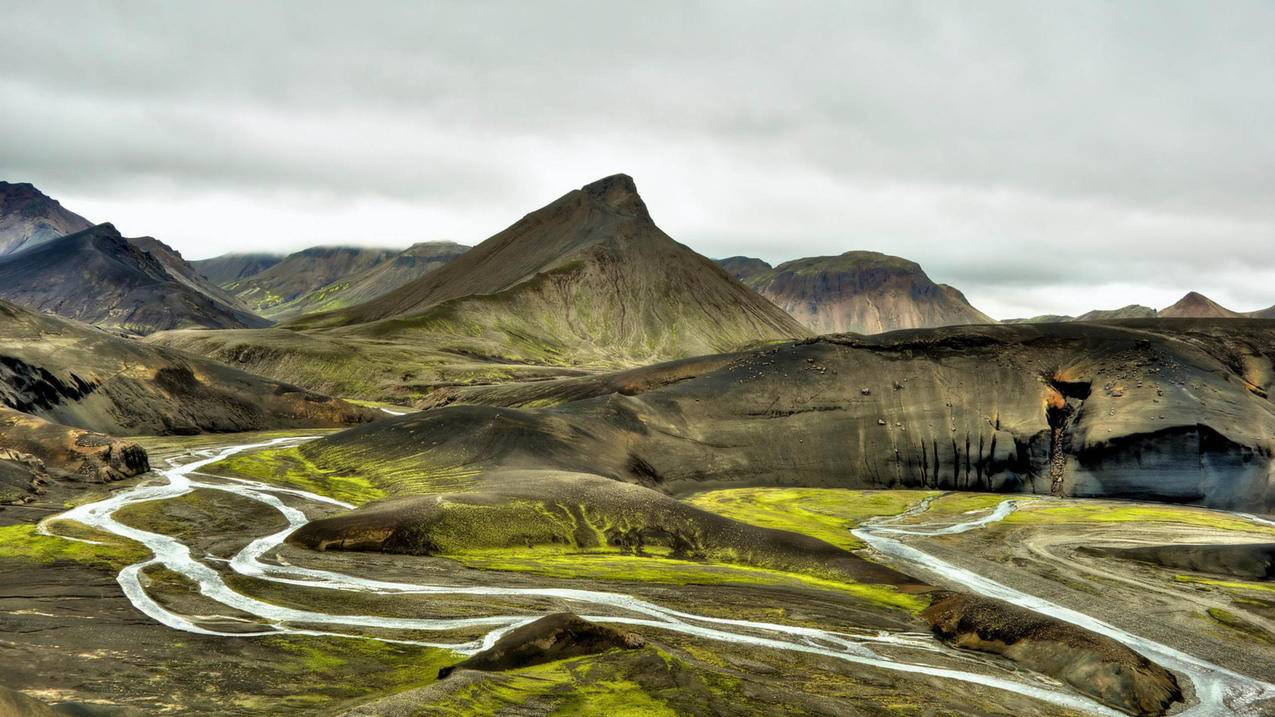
[1218,691]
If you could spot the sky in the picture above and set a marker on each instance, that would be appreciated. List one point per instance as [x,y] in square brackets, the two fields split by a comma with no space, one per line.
[1043,157]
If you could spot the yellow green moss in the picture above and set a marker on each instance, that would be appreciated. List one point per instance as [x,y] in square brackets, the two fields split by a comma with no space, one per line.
[1105,512]
[289,467]
[22,542]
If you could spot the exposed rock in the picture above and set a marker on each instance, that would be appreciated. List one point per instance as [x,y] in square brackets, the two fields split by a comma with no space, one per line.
[1093,664]
[33,451]
[553,637]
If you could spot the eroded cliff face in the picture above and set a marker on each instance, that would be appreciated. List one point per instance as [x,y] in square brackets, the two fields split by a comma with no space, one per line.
[1162,410]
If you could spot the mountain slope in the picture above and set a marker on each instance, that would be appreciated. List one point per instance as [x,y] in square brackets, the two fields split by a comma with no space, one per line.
[28,218]
[408,265]
[588,282]
[298,274]
[863,292]
[1198,306]
[100,277]
[73,374]
[1132,311]
[229,268]
[743,267]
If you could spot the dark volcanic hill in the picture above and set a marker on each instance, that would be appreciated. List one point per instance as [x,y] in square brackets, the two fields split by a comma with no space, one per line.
[229,268]
[270,291]
[28,218]
[863,292]
[73,374]
[408,265]
[1162,409]
[100,277]
[1198,306]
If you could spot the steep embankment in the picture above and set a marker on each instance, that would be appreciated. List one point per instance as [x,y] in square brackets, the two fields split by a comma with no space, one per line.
[34,451]
[73,374]
[29,218]
[1171,410]
[100,277]
[588,282]
[270,291]
[862,292]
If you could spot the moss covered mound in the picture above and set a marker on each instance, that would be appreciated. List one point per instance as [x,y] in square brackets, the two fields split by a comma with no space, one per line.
[1094,664]
[557,636]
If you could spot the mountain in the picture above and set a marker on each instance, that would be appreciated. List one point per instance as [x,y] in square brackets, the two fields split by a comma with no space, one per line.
[1263,314]
[409,264]
[28,218]
[1132,311]
[861,292]
[1198,306]
[70,373]
[229,268]
[296,275]
[743,267]
[100,277]
[584,283]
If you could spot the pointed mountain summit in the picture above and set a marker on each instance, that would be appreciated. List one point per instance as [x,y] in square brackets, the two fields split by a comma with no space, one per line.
[587,279]
[100,277]
[28,218]
[863,292]
[1198,306]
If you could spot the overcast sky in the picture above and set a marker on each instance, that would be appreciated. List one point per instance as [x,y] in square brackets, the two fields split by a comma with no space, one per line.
[1042,157]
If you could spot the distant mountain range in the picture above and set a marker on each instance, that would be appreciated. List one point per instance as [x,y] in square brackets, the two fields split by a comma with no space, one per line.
[861,292]
[1192,306]
[229,268]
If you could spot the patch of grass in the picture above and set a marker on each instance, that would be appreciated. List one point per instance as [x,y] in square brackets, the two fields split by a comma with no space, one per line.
[658,567]
[1225,584]
[1103,512]
[22,542]
[325,671]
[828,514]
[290,467]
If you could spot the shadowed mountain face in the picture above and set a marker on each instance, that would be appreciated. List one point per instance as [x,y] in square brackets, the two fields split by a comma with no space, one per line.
[860,291]
[743,267]
[29,218]
[270,292]
[100,277]
[73,374]
[1166,409]
[406,266]
[587,282]
[229,268]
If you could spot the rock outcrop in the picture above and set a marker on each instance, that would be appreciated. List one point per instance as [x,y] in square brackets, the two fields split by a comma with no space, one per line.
[553,637]
[1094,664]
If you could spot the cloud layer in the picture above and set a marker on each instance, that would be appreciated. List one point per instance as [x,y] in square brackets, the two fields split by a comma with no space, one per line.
[1043,157]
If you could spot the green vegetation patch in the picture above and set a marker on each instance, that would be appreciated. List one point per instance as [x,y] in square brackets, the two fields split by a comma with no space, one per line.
[1225,584]
[22,542]
[1102,512]
[325,671]
[659,567]
[828,514]
[289,467]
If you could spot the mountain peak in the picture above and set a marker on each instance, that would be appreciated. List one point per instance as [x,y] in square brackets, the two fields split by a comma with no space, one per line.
[619,193]
[1197,305]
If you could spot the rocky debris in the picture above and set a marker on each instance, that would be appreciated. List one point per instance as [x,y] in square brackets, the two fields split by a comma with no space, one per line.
[552,637]
[1251,561]
[22,477]
[34,451]
[1094,664]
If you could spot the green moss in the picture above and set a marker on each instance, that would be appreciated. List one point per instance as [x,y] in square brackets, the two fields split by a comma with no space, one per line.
[828,514]
[613,698]
[1225,584]
[1104,512]
[289,467]
[22,542]
[611,564]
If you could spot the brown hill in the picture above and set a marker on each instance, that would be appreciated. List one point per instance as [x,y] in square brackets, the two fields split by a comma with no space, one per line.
[863,292]
[28,218]
[1198,306]
[100,277]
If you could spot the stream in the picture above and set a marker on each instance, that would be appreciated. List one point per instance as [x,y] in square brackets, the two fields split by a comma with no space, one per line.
[1218,691]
